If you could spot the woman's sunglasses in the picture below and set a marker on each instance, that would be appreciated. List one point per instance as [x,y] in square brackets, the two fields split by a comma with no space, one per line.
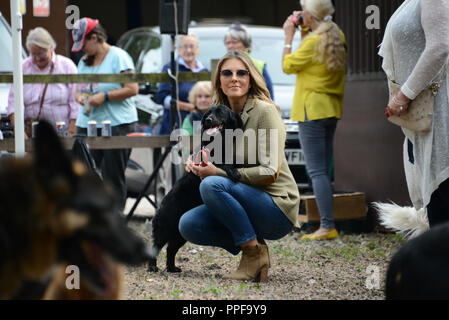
[240,73]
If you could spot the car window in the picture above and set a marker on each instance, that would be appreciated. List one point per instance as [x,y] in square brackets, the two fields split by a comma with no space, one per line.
[270,50]
[6,62]
[152,61]
[138,45]
[211,48]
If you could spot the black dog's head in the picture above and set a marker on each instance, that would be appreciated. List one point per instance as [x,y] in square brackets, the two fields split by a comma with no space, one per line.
[214,124]
[219,118]
[54,210]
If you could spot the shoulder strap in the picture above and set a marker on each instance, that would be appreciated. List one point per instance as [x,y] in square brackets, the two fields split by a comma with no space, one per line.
[45,90]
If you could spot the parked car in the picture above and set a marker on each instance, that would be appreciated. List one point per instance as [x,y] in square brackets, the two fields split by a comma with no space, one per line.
[6,66]
[150,51]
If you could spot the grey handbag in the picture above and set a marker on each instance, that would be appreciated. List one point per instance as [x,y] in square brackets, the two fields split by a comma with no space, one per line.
[420,111]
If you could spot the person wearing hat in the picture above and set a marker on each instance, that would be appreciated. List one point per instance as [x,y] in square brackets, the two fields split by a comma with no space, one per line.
[105,101]
[238,38]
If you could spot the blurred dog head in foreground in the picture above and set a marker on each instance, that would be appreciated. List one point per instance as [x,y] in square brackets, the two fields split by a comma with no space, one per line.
[54,213]
[418,270]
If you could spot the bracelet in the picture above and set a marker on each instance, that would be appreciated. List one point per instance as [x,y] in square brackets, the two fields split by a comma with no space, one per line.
[288,46]
[399,102]
[106,96]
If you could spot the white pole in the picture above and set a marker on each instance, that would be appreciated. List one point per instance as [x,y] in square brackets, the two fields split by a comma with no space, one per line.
[16,22]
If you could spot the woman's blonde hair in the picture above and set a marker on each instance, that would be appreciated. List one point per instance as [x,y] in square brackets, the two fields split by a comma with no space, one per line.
[205,86]
[258,88]
[41,38]
[331,43]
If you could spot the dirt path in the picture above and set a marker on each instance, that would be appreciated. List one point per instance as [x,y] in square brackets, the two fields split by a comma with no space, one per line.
[351,267]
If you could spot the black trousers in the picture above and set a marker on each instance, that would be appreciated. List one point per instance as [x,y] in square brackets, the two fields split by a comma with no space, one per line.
[113,162]
[438,207]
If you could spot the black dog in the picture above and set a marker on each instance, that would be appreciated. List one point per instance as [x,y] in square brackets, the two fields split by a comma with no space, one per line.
[419,269]
[185,193]
[55,213]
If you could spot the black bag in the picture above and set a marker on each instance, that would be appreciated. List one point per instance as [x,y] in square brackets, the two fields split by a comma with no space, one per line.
[80,151]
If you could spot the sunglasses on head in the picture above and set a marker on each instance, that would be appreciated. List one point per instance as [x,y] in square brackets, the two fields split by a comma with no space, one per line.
[237,27]
[240,73]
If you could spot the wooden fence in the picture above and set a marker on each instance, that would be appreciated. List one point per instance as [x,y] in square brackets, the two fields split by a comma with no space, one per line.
[116,142]
[107,78]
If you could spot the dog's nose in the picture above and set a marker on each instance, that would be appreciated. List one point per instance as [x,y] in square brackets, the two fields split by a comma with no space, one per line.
[208,119]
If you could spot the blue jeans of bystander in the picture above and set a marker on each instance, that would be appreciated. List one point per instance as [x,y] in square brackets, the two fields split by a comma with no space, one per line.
[317,138]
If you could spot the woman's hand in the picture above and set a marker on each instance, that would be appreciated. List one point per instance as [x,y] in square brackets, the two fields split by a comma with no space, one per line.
[398,105]
[203,172]
[289,29]
[97,99]
[185,106]
[80,98]
[209,170]
[189,164]
[71,131]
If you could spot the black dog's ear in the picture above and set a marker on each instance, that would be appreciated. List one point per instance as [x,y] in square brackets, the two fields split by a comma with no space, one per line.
[208,112]
[50,158]
[236,120]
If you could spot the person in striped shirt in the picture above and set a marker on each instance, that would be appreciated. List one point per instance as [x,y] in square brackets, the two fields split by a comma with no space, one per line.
[58,103]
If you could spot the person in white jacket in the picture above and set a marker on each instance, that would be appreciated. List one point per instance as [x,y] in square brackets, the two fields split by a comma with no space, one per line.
[415,52]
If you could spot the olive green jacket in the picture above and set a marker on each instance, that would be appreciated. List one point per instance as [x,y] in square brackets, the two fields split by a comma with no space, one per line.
[268,171]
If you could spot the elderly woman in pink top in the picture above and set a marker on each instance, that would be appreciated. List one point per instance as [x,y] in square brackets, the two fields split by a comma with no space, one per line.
[58,102]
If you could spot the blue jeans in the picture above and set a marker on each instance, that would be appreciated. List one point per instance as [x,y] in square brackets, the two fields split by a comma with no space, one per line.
[317,138]
[232,214]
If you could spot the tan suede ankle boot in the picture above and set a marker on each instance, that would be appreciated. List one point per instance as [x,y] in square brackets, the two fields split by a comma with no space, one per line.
[253,264]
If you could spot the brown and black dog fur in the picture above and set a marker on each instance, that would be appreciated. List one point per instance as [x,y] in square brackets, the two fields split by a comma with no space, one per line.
[55,213]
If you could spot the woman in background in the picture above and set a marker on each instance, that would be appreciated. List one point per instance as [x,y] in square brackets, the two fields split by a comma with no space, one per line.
[107,101]
[319,64]
[415,52]
[53,102]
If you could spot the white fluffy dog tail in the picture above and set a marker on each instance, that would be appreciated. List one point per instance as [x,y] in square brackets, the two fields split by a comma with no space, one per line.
[408,220]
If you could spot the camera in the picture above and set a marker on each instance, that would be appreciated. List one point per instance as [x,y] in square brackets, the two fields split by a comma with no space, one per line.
[297,20]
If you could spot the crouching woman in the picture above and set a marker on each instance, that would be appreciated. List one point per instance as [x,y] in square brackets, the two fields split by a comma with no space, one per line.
[265,203]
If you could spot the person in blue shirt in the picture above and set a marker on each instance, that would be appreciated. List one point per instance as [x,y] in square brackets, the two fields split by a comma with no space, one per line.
[238,38]
[105,101]
[187,61]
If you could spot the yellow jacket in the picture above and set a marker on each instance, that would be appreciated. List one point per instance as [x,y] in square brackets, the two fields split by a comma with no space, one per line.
[318,91]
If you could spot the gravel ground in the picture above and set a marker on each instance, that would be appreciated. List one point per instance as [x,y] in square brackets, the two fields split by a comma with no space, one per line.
[350,267]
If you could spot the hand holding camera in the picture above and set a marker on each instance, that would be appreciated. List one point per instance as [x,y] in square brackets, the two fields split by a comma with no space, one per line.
[297,19]
[292,22]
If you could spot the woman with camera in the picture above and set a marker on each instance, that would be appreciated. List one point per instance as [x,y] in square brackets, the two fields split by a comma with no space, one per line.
[319,64]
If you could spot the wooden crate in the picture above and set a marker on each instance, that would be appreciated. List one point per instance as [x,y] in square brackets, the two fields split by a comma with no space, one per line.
[346,206]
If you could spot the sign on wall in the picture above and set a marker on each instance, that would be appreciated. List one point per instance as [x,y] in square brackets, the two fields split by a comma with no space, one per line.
[23,7]
[41,8]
